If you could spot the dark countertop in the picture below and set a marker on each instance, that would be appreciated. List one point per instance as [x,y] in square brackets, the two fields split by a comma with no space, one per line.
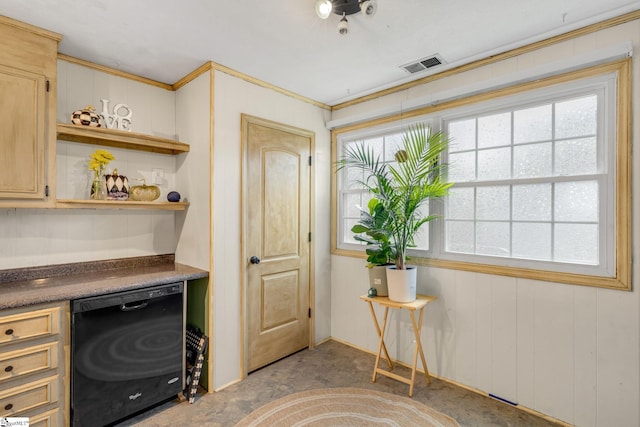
[36,285]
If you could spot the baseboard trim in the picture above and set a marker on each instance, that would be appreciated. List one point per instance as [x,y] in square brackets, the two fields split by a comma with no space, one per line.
[323,341]
[229,384]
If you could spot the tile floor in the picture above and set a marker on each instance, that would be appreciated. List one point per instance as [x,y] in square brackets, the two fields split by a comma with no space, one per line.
[330,364]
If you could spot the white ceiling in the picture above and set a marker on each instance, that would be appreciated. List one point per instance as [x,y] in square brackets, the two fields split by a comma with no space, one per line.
[284,43]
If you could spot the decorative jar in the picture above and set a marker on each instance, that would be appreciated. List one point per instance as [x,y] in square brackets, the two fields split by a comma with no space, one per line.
[117,186]
[87,117]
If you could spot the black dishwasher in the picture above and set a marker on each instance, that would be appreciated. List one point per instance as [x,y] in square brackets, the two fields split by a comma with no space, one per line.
[127,352]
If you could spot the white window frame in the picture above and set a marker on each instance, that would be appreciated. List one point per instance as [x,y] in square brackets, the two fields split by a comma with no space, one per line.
[604,86]
[615,271]
[362,134]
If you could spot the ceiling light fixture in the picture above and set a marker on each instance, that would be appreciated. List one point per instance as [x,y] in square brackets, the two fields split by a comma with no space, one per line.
[324,8]
[368,7]
[343,26]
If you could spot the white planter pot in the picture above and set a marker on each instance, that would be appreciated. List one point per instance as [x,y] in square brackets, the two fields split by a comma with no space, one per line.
[378,280]
[402,284]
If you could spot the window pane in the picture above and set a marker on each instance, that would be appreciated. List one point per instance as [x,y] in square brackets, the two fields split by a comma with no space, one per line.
[352,203]
[421,239]
[392,143]
[365,200]
[532,240]
[460,236]
[576,201]
[492,238]
[462,167]
[576,243]
[494,131]
[375,144]
[494,164]
[576,117]
[463,135]
[531,161]
[493,203]
[532,124]
[348,235]
[576,157]
[460,203]
[353,177]
[393,165]
[532,202]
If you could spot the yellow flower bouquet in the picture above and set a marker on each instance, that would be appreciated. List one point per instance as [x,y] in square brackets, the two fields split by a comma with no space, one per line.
[97,163]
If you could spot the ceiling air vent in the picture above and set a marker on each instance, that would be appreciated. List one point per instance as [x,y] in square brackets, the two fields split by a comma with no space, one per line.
[423,64]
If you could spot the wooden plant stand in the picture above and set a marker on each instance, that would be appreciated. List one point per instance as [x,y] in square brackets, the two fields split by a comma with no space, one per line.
[417,305]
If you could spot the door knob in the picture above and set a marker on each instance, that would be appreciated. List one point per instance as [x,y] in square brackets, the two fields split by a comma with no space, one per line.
[254,260]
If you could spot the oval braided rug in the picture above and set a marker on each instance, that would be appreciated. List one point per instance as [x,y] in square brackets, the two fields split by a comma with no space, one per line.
[345,407]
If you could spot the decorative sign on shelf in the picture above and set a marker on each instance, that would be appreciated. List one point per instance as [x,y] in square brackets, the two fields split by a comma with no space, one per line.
[116,120]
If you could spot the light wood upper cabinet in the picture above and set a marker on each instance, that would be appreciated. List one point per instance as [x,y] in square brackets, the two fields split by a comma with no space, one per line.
[22,134]
[27,114]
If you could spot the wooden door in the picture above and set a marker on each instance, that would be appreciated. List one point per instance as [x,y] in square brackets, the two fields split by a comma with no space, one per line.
[277,187]
[22,110]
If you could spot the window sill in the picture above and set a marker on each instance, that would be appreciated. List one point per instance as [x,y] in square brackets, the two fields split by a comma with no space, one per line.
[618,283]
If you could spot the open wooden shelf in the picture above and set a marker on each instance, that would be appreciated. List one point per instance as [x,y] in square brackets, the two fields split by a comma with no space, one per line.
[119,139]
[120,204]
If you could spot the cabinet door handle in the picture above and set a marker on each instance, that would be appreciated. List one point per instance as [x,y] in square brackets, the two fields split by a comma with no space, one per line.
[9,332]
[8,406]
[8,368]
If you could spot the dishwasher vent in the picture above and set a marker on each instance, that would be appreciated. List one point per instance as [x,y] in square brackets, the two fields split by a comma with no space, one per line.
[423,64]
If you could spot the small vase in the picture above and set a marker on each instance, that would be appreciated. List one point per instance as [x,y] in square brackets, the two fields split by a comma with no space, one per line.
[98,189]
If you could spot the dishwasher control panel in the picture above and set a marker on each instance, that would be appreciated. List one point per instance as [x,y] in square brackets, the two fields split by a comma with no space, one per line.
[126,297]
[164,291]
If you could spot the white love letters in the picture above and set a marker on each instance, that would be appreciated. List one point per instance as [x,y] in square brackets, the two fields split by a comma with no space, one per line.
[116,120]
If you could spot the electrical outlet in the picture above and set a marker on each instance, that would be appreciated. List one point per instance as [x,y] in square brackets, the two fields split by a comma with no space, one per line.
[157,176]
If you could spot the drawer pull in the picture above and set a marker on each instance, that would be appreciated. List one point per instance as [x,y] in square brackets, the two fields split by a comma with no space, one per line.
[9,332]
[8,368]
[8,406]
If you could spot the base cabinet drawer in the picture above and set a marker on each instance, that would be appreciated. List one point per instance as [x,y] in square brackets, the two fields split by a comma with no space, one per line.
[30,396]
[15,364]
[32,324]
[46,419]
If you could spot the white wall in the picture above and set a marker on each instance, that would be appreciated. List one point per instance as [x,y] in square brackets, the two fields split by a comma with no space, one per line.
[571,352]
[33,237]
[234,96]
[193,116]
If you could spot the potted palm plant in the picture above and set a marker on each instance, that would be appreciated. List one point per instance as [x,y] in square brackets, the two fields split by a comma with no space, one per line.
[402,190]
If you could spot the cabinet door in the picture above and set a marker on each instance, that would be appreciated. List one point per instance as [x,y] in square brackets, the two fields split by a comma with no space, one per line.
[22,118]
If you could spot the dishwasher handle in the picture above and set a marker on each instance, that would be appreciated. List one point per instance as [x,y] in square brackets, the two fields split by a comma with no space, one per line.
[127,307]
